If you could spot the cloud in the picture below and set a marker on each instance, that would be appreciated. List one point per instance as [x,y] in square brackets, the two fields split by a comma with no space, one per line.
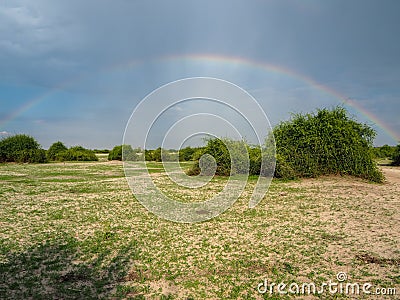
[79,54]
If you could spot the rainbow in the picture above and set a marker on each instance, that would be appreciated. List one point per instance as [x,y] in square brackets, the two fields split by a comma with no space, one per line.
[239,61]
[235,63]
[38,99]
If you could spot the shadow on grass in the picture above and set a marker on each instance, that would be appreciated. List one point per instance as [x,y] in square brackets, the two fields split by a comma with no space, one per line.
[53,270]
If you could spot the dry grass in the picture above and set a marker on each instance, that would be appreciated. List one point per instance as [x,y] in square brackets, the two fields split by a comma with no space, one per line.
[74,230]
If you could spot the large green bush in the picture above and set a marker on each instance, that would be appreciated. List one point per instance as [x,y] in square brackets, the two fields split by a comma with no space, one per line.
[396,156]
[325,142]
[55,150]
[21,148]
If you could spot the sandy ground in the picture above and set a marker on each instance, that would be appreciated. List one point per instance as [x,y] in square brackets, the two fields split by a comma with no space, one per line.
[302,231]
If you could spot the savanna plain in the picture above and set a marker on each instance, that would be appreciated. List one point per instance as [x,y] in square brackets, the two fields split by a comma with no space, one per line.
[75,231]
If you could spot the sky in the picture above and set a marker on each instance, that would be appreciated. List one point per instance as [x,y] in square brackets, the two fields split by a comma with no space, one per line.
[74,71]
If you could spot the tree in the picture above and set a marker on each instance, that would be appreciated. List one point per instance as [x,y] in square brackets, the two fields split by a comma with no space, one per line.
[21,148]
[53,153]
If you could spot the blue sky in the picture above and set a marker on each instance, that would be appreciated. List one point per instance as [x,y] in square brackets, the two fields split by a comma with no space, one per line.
[75,70]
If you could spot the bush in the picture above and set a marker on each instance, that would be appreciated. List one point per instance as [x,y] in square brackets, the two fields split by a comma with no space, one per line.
[128,153]
[186,154]
[31,156]
[236,162]
[217,149]
[396,156]
[236,157]
[160,154]
[325,142]
[53,153]
[115,153]
[21,148]
[384,151]
[77,153]
[283,169]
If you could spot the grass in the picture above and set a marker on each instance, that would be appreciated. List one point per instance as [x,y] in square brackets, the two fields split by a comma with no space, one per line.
[74,230]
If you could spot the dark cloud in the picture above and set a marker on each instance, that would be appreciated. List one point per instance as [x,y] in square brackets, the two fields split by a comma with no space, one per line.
[83,49]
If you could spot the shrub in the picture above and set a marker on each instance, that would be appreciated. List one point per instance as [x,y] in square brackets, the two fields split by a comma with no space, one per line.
[124,151]
[325,142]
[160,154]
[53,153]
[283,169]
[384,151]
[115,153]
[77,153]
[31,156]
[236,157]
[233,162]
[396,156]
[186,154]
[21,148]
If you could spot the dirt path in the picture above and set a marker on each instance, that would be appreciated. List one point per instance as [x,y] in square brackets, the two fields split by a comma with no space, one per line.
[392,175]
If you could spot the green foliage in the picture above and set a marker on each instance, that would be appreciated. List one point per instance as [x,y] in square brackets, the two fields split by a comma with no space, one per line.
[283,169]
[384,151]
[157,154]
[77,153]
[124,152]
[255,160]
[235,157]
[101,151]
[396,156]
[325,142]
[231,157]
[148,155]
[217,149]
[31,156]
[186,154]
[115,153]
[54,151]
[21,148]
[160,154]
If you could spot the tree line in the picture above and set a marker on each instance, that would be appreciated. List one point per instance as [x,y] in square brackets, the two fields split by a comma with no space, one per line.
[327,141]
[23,148]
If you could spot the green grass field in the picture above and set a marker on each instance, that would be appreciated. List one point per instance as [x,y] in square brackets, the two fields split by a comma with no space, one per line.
[74,230]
